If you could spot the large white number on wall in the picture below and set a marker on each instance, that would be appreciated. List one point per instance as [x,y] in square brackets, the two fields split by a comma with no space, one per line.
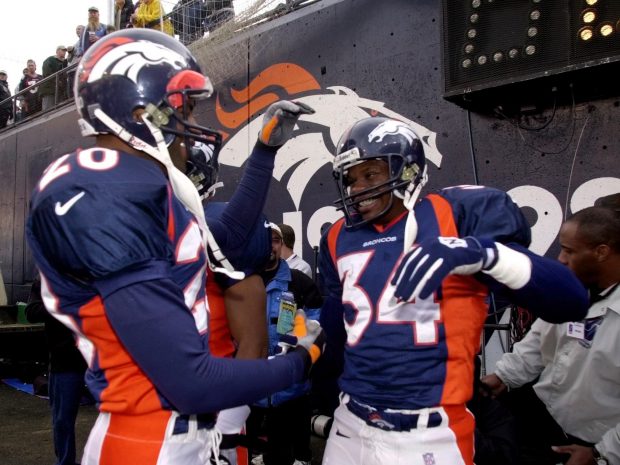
[547,209]
[586,194]
[318,219]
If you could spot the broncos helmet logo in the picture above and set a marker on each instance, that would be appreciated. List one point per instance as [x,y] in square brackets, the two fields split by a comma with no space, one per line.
[315,136]
[128,59]
[391,128]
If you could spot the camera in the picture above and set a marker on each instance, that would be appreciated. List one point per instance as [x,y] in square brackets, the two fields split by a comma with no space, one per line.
[320,425]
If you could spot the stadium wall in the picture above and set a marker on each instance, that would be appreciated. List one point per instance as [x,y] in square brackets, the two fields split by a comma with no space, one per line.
[349,59]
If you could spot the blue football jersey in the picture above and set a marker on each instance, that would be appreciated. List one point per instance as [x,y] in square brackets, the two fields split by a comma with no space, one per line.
[414,355]
[101,220]
[123,265]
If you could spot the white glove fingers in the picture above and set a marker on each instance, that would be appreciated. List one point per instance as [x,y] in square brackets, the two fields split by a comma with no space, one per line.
[422,290]
[406,260]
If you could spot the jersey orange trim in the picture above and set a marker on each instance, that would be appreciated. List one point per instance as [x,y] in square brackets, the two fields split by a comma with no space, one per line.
[332,237]
[129,391]
[384,227]
[463,312]
[461,422]
[444,215]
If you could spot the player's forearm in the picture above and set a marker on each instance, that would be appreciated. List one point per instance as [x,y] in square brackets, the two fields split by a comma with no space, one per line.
[234,382]
[248,200]
[245,311]
[152,323]
[547,288]
[251,349]
[524,363]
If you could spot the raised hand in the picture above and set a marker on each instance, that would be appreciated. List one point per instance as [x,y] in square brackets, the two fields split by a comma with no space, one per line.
[279,121]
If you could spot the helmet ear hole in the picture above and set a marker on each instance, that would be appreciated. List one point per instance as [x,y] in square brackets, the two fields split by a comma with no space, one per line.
[137,114]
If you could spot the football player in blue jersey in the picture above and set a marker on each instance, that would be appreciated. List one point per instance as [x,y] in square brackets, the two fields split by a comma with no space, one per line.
[119,235]
[237,306]
[406,284]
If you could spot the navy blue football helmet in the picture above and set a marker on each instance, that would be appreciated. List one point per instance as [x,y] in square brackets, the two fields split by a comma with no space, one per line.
[136,69]
[203,167]
[378,138]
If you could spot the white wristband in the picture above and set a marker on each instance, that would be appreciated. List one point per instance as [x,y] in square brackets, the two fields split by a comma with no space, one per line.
[514,269]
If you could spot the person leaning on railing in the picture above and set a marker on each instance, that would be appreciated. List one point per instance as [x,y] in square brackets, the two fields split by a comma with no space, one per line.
[53,91]
[123,9]
[150,14]
[6,108]
[31,99]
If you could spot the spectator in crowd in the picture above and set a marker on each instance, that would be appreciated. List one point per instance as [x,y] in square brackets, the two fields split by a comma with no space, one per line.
[94,30]
[573,403]
[293,260]
[6,108]
[123,9]
[19,103]
[187,18]
[150,14]
[66,384]
[413,320]
[54,91]
[74,57]
[31,102]
[287,413]
[218,13]
[75,50]
[24,72]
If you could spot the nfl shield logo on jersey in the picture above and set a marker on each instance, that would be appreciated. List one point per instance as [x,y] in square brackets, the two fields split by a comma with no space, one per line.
[429,458]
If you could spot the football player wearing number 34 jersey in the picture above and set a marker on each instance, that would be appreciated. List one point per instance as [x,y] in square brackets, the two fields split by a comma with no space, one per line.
[406,284]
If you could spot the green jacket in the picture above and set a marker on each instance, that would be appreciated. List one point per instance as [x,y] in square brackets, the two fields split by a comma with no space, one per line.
[50,66]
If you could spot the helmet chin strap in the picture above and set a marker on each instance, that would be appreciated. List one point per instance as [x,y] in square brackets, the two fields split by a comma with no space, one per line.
[410,198]
[182,186]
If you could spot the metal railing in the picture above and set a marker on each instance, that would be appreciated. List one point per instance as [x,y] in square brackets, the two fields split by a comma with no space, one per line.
[67,75]
[63,95]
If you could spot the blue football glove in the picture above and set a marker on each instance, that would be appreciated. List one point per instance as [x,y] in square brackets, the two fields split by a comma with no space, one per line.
[279,121]
[424,267]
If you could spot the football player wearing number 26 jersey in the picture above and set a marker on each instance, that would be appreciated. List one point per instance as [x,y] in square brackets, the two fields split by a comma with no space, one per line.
[406,284]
